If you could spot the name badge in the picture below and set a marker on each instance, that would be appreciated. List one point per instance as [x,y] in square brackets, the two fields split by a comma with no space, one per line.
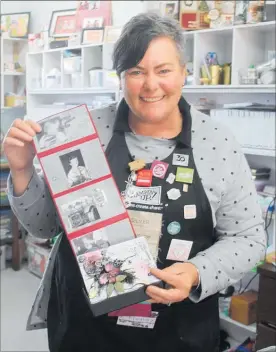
[180,159]
[184,174]
[179,250]
[139,322]
[149,225]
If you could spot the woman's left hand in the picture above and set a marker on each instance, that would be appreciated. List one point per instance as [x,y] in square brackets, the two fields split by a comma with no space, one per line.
[180,277]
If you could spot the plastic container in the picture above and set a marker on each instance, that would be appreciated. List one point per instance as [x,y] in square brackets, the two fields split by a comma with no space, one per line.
[96,78]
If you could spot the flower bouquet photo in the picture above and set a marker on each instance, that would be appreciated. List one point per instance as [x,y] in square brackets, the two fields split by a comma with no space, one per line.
[116,277]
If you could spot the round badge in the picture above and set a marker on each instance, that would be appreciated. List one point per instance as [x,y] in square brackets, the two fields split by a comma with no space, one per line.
[174,228]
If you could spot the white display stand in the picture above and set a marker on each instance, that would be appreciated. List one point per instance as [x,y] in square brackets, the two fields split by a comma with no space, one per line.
[12,81]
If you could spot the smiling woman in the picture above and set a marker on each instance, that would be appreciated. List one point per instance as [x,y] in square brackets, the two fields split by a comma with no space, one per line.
[189,192]
[152,73]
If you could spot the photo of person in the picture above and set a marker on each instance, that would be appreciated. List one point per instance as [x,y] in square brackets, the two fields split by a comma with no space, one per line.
[96,22]
[75,168]
[90,242]
[52,133]
[64,127]
[81,212]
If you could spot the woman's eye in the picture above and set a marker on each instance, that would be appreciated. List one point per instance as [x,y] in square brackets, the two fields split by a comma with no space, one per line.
[164,71]
[135,73]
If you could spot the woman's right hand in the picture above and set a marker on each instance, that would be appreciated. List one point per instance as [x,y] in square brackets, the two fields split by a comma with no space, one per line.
[17,145]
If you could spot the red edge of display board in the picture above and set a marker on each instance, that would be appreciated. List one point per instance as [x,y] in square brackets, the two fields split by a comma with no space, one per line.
[54,150]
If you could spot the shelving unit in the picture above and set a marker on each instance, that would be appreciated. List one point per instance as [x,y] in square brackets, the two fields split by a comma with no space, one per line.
[12,81]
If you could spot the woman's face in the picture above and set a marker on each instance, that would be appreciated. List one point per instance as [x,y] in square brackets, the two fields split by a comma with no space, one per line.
[153,88]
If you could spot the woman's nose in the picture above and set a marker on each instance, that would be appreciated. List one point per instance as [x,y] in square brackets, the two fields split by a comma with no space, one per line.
[151,82]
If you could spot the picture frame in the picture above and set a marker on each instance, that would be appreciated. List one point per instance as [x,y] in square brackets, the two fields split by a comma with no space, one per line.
[170,9]
[92,36]
[112,33]
[63,23]
[17,24]
[93,22]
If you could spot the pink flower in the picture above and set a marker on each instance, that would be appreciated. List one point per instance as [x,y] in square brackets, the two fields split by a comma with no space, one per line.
[112,280]
[103,279]
[93,257]
[114,272]
[109,267]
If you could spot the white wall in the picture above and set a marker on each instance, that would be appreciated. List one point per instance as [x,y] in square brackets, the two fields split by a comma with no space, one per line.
[41,11]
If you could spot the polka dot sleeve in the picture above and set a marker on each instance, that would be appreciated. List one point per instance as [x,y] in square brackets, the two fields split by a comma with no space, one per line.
[241,239]
[34,208]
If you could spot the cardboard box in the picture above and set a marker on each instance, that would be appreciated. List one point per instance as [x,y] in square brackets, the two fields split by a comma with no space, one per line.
[37,257]
[243,307]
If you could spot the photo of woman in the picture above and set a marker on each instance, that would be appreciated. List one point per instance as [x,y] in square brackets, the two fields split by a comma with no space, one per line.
[74,168]
[53,133]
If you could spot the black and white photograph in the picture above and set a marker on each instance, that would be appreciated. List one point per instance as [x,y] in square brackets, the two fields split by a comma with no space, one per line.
[75,166]
[64,127]
[89,205]
[90,242]
[107,236]
[75,169]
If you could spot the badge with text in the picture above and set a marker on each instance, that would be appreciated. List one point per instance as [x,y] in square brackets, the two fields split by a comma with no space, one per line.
[184,174]
[148,225]
[144,178]
[179,250]
[180,159]
[139,322]
[159,168]
[190,211]
[143,195]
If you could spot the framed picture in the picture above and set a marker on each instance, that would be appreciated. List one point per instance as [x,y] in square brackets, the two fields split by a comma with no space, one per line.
[170,9]
[112,33]
[63,23]
[89,11]
[16,24]
[92,36]
[93,22]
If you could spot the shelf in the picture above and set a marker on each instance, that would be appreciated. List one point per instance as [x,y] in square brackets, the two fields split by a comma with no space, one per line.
[15,39]
[262,152]
[65,48]
[270,88]
[263,26]
[13,73]
[250,328]
[73,91]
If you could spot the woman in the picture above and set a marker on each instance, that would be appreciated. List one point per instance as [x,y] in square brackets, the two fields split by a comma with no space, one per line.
[211,226]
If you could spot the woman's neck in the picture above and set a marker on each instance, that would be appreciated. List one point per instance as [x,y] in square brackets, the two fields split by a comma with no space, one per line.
[169,128]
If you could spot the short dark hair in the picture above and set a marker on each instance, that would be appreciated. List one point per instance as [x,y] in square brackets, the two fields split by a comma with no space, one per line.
[136,36]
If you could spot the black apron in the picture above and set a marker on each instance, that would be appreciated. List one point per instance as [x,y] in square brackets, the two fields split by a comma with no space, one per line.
[183,326]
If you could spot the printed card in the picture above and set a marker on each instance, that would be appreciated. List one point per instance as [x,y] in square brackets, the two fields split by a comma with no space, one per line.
[117,270]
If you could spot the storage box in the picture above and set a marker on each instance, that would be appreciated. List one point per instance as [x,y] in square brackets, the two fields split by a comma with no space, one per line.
[243,307]
[37,257]
[2,257]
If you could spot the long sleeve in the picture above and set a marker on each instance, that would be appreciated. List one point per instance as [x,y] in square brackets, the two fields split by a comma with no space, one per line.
[241,239]
[35,209]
